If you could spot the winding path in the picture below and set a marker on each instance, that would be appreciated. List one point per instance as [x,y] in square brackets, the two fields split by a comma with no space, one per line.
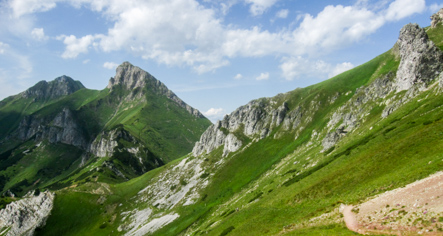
[350,219]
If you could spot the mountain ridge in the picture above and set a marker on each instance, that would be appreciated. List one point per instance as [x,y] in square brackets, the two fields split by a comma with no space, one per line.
[287,164]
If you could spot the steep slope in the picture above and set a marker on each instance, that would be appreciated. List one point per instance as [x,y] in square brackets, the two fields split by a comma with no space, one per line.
[285,165]
[60,133]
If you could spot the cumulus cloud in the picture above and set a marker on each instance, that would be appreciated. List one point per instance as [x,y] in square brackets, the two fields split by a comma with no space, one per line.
[299,67]
[76,46]
[238,76]
[110,65]
[340,68]
[400,9]
[22,7]
[258,7]
[214,114]
[282,13]
[185,33]
[38,34]
[263,76]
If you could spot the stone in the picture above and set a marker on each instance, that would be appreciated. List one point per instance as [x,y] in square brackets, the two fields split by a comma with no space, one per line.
[59,87]
[421,61]
[25,215]
[134,79]
[62,128]
[437,18]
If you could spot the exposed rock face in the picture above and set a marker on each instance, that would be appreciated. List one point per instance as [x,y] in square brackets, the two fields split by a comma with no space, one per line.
[63,128]
[254,120]
[421,60]
[134,79]
[105,143]
[437,18]
[24,216]
[61,86]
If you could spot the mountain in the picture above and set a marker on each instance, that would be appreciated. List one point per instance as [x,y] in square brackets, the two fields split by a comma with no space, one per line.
[299,163]
[58,133]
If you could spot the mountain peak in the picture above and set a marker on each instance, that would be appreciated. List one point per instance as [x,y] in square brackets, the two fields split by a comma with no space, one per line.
[437,18]
[60,86]
[132,77]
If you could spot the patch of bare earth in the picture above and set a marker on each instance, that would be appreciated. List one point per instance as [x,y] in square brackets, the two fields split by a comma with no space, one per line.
[416,209]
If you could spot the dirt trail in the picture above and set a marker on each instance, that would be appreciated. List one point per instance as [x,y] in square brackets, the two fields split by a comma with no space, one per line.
[350,219]
[416,209]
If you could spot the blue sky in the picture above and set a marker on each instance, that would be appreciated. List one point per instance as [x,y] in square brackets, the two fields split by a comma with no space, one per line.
[215,55]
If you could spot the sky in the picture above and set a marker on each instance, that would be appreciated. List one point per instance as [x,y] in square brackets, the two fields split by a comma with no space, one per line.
[215,55]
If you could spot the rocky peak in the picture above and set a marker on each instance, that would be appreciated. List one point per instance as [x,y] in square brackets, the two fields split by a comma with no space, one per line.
[437,18]
[130,77]
[421,60]
[61,86]
[133,78]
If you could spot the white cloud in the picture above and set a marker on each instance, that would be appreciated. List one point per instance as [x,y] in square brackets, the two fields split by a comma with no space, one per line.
[340,68]
[238,76]
[400,9]
[214,114]
[75,46]
[263,76]
[258,7]
[282,13]
[185,33]
[86,61]
[23,7]
[110,65]
[435,7]
[299,67]
[3,47]
[39,34]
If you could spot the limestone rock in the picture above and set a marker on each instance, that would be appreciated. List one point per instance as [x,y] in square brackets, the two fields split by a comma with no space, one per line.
[134,79]
[61,86]
[25,215]
[63,128]
[421,61]
[437,18]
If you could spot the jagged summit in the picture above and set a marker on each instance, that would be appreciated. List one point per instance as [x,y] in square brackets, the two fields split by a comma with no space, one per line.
[437,18]
[61,86]
[130,77]
[421,60]
[134,79]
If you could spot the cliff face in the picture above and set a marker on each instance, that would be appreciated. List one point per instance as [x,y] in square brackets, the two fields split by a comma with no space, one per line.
[59,87]
[421,63]
[63,128]
[24,216]
[421,60]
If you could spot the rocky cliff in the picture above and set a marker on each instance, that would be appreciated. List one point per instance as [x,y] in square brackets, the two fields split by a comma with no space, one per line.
[421,64]
[62,128]
[135,80]
[437,19]
[22,217]
[59,87]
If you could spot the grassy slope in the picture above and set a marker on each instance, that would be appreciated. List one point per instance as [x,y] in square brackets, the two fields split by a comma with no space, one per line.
[398,150]
[166,130]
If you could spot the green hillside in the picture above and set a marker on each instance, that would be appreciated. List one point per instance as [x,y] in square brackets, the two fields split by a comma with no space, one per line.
[47,140]
[278,182]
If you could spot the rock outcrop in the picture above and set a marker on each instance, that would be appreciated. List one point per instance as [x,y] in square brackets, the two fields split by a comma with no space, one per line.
[22,217]
[134,79]
[437,18]
[63,128]
[59,87]
[421,61]
[253,120]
